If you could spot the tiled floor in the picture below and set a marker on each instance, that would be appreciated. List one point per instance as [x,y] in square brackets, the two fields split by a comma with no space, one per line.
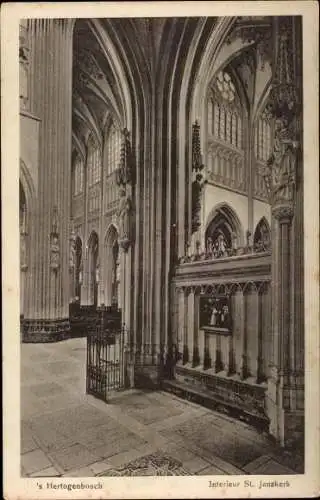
[65,432]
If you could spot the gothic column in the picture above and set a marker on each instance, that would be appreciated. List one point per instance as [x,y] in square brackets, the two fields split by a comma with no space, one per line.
[47,315]
[186,354]
[284,182]
[196,306]
[244,337]
[85,291]
[180,325]
[260,373]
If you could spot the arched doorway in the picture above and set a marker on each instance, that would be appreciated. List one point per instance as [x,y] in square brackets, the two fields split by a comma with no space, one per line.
[93,249]
[78,269]
[112,268]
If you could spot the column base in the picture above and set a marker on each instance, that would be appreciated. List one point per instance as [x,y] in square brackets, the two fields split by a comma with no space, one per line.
[148,367]
[147,377]
[286,424]
[45,330]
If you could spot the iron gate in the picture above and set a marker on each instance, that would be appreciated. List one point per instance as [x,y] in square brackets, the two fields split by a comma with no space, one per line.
[107,360]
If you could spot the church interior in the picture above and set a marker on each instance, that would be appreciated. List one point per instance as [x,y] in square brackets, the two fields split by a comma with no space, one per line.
[161,209]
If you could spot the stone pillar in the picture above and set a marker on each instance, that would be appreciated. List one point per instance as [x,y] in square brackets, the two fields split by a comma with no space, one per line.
[284,183]
[244,337]
[282,385]
[190,323]
[196,305]
[260,373]
[50,97]
[180,323]
[185,354]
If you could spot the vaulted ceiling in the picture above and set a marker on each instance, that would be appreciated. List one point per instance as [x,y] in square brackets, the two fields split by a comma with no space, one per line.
[143,44]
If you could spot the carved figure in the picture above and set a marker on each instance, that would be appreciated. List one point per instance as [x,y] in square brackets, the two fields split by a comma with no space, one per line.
[54,252]
[196,201]
[72,253]
[23,250]
[209,246]
[281,167]
[124,211]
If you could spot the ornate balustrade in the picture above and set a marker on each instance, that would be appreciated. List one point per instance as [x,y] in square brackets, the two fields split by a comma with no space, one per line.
[234,254]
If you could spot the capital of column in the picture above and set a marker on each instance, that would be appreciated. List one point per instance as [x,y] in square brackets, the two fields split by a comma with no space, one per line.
[283,213]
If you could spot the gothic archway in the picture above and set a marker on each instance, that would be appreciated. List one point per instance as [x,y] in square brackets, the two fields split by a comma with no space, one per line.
[262,236]
[23,244]
[78,269]
[223,235]
[93,255]
[112,268]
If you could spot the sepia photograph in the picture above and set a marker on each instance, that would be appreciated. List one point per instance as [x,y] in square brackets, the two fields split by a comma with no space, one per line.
[162,262]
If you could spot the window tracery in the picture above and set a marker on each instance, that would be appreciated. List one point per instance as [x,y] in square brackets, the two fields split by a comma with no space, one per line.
[113,148]
[224,116]
[78,175]
[225,129]
[93,162]
[112,159]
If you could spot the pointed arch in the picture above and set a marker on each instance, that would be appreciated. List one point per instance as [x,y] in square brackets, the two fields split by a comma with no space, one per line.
[93,266]
[262,236]
[223,220]
[78,268]
[28,186]
[111,262]
[111,54]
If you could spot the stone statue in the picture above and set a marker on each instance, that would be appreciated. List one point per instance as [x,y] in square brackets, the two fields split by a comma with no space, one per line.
[280,172]
[209,246]
[72,254]
[54,252]
[234,239]
[124,212]
[196,201]
[23,251]
[97,277]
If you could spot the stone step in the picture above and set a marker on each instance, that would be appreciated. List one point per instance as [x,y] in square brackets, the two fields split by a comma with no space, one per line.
[209,399]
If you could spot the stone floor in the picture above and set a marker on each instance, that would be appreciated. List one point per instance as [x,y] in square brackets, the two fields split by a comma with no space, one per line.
[65,432]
